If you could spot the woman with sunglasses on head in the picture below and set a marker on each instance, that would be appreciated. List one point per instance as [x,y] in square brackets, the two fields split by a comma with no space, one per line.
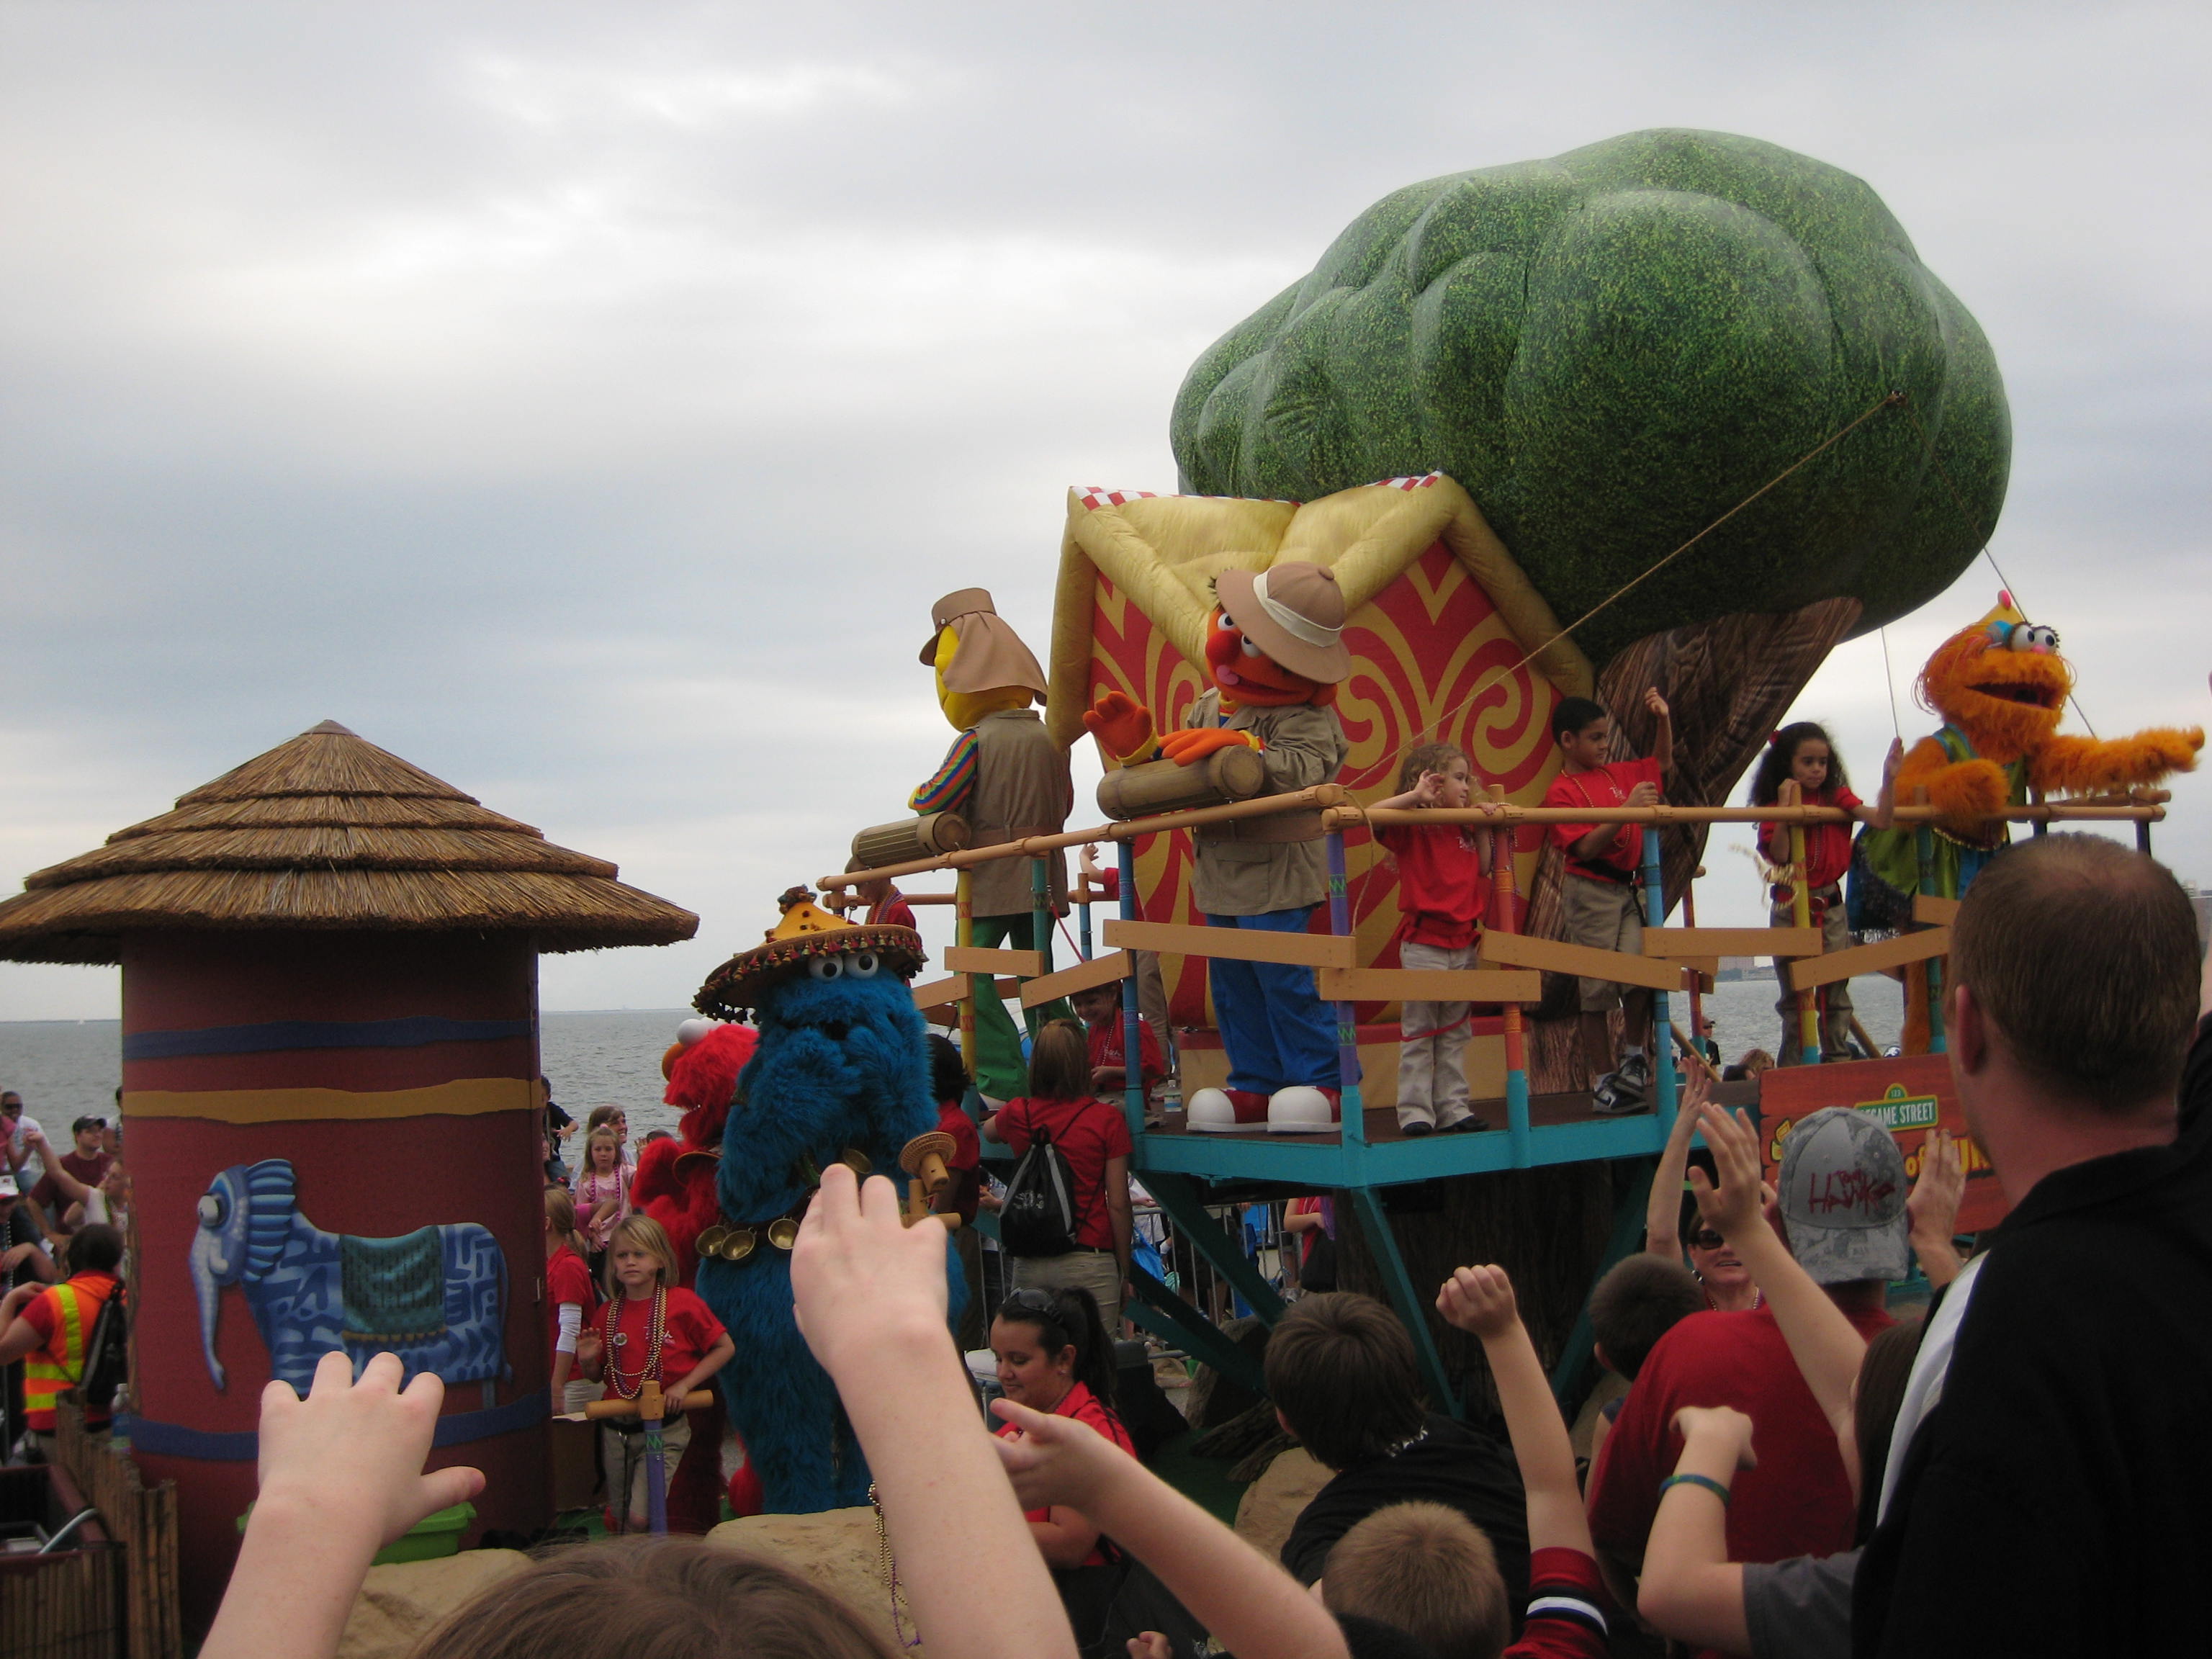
[1674,1229]
[1054,1357]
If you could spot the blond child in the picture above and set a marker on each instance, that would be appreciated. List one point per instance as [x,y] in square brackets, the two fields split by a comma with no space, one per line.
[1443,888]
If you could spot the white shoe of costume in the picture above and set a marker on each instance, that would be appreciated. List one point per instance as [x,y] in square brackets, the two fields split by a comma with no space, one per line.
[1300,1111]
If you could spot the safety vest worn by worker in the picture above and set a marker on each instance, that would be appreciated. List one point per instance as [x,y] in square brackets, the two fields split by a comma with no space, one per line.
[60,1364]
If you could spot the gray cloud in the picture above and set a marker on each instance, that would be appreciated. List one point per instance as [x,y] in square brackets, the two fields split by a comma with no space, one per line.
[587,402]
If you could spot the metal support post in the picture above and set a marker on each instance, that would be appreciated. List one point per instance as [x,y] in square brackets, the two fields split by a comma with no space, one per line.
[1924,843]
[1179,1202]
[964,932]
[1412,1310]
[1132,1048]
[1040,931]
[1809,1052]
[1516,1035]
[1354,1115]
[1168,1317]
[1663,1013]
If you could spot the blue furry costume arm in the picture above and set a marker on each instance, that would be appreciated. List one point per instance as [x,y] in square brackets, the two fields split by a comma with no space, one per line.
[843,1063]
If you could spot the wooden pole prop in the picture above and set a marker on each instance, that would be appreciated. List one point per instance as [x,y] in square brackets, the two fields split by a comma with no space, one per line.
[1132,1064]
[963,933]
[1166,786]
[1695,982]
[931,835]
[1801,912]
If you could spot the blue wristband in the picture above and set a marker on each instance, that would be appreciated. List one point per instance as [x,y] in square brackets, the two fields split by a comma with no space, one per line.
[1704,1480]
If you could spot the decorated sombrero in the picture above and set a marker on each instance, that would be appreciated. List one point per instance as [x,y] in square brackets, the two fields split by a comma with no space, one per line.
[807,933]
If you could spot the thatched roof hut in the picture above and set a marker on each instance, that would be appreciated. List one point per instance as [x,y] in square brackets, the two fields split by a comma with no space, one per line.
[328,831]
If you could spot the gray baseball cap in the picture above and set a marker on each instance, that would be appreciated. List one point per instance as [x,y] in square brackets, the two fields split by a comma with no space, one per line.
[1842,1197]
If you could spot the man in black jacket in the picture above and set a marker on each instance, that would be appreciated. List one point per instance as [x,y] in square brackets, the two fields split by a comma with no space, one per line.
[1343,1375]
[2051,1493]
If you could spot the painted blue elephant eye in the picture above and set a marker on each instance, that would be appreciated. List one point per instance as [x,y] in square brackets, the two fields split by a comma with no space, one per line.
[215,1210]
[825,968]
[863,965]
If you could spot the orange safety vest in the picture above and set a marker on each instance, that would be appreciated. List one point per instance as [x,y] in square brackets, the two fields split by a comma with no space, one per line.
[60,1364]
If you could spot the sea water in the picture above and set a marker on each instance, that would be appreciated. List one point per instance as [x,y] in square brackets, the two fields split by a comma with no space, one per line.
[67,1069]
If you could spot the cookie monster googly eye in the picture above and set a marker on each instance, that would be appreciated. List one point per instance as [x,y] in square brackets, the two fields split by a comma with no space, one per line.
[825,968]
[862,965]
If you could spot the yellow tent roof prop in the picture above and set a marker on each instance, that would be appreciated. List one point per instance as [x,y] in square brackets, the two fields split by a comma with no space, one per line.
[330,831]
[1163,552]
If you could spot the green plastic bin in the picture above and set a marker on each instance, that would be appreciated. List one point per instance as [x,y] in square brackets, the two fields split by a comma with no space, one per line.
[430,1539]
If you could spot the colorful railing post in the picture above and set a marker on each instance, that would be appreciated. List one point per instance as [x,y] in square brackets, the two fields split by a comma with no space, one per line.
[963,933]
[1663,1012]
[1041,921]
[1801,912]
[1516,1037]
[1132,1050]
[1347,1025]
[1925,844]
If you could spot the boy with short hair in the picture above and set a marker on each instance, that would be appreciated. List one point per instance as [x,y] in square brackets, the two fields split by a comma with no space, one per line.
[1638,1302]
[1601,895]
[1341,1371]
[1427,1571]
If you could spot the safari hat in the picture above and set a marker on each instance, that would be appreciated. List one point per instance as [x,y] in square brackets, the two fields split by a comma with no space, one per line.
[807,933]
[990,654]
[1842,1197]
[1294,611]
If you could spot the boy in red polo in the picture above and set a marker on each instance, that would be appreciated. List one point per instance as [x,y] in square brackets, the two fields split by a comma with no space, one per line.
[1601,897]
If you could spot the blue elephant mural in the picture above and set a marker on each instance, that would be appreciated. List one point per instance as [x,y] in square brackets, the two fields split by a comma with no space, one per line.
[436,1296]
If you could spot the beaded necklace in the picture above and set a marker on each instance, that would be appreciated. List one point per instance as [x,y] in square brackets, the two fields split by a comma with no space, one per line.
[656,1329]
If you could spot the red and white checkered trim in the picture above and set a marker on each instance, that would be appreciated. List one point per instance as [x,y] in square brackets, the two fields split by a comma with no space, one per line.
[1422,483]
[1094,496]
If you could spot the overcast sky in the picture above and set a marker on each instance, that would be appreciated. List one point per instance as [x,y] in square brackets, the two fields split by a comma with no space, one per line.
[586,402]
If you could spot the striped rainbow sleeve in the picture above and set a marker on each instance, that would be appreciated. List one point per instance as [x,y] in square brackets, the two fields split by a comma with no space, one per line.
[950,786]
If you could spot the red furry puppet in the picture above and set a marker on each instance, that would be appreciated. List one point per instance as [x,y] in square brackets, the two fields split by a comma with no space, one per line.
[2001,687]
[675,1186]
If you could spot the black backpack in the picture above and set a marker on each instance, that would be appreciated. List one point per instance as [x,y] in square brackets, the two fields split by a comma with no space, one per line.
[1039,1215]
[106,1355]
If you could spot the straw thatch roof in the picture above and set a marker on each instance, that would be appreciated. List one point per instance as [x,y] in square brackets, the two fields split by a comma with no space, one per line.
[330,831]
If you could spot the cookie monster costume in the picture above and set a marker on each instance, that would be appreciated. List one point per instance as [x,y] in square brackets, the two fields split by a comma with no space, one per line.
[842,1073]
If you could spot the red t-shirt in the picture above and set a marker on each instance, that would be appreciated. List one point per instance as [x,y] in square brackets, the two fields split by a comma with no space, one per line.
[1088,1132]
[966,1161]
[1602,786]
[893,912]
[47,1194]
[692,1328]
[1567,1608]
[43,1315]
[1109,884]
[1796,1501]
[1441,886]
[1079,1403]
[566,1280]
[1106,1049]
[1827,846]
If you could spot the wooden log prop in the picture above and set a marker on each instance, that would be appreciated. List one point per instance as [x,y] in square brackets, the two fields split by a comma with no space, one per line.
[931,835]
[697,1400]
[1165,785]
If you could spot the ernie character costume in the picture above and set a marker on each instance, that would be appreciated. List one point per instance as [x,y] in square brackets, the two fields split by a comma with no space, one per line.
[2001,687]
[1276,655]
[1009,780]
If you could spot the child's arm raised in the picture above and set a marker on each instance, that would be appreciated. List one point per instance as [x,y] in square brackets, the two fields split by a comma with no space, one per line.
[341,1477]
[1248,1603]
[1691,1591]
[869,1292]
[1479,1301]
[1663,1215]
[1828,1350]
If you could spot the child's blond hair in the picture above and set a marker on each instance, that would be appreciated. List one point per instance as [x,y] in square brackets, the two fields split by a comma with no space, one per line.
[1427,1571]
[1429,757]
[639,1231]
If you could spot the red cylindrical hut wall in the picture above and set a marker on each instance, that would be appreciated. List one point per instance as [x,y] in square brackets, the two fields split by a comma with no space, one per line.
[397,1073]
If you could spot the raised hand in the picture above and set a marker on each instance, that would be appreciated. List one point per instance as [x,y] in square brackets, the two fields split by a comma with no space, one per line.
[1734,1207]
[1479,1301]
[1055,1460]
[858,1271]
[1655,703]
[1718,1427]
[352,1453]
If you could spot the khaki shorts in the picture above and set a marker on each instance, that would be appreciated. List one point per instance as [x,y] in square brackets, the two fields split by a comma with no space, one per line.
[1605,916]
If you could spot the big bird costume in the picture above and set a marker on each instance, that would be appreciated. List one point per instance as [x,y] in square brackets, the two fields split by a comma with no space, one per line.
[2001,687]
[1009,780]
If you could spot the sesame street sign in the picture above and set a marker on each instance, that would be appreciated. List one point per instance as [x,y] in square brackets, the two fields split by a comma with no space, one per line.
[1911,1097]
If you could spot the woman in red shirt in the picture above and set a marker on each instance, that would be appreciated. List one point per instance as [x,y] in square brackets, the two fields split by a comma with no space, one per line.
[650,1329]
[1054,1357]
[1094,1138]
[1800,768]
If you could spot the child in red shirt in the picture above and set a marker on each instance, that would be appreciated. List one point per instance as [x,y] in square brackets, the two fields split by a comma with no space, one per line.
[650,1329]
[1600,898]
[1443,888]
[568,1294]
[1800,767]
[1099,1008]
